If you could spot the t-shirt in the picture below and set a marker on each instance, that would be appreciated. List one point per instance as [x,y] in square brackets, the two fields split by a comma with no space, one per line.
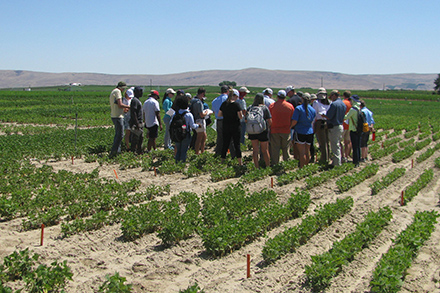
[336,112]
[230,116]
[352,117]
[196,108]
[216,104]
[135,111]
[282,112]
[268,100]
[166,105]
[242,104]
[295,100]
[116,112]
[348,107]
[304,122]
[151,106]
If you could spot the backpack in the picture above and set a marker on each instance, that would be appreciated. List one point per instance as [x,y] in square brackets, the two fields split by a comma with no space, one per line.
[362,125]
[255,123]
[178,128]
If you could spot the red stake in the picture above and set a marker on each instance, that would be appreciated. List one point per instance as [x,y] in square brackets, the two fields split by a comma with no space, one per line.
[155,172]
[42,234]
[248,271]
[271,182]
[402,200]
[72,160]
[116,174]
[412,163]
[374,136]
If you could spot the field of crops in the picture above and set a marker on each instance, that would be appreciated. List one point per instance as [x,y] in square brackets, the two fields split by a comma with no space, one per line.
[151,225]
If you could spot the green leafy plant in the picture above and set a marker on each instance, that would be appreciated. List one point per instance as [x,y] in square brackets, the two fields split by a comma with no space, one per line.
[115,284]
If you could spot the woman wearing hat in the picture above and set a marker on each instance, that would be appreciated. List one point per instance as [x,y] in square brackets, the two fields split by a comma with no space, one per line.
[167,103]
[302,119]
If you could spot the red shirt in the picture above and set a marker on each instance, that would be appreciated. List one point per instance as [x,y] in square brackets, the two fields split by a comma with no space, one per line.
[281,112]
[348,106]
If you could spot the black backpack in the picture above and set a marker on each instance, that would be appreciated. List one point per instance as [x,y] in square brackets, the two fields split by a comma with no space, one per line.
[178,127]
[362,125]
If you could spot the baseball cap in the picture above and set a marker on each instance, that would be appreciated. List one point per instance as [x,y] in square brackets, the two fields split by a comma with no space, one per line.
[268,91]
[244,90]
[281,93]
[153,92]
[236,92]
[121,84]
[321,90]
[130,93]
[355,98]
[170,91]
[306,96]
[289,88]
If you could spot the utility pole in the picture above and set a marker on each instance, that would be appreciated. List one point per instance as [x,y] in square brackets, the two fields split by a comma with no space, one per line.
[322,81]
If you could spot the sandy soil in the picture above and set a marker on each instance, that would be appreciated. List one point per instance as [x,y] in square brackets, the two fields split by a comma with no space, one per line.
[152,268]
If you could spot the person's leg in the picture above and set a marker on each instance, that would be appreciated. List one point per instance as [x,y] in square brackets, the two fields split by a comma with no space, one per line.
[127,139]
[119,126]
[284,145]
[274,148]
[226,142]
[236,142]
[302,154]
[355,142]
[335,134]
[166,138]
[265,150]
[243,132]
[255,152]
[219,142]
[200,142]
[184,147]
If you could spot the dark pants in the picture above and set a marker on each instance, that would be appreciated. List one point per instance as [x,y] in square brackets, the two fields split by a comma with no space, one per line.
[136,140]
[219,143]
[231,133]
[356,145]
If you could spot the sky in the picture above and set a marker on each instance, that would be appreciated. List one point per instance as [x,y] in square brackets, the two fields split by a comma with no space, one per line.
[162,37]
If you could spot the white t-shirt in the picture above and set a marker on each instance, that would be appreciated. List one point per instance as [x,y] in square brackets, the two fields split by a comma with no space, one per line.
[116,112]
[150,107]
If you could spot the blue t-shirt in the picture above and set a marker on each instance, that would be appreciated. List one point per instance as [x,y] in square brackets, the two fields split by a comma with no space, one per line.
[304,122]
[216,104]
[336,112]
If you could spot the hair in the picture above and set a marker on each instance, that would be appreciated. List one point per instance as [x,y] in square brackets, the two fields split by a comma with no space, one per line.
[258,100]
[201,90]
[306,100]
[181,102]
[138,92]
[347,94]
[363,105]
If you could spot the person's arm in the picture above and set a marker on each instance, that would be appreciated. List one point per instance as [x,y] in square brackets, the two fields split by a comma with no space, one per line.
[220,113]
[240,114]
[122,105]
[269,122]
[158,119]
[293,123]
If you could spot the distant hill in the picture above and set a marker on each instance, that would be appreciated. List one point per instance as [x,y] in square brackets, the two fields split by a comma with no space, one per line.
[249,77]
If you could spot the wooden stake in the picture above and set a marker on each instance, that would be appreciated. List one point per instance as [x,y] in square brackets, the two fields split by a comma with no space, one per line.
[248,271]
[412,163]
[116,174]
[271,182]
[42,234]
[72,160]
[402,200]
[155,172]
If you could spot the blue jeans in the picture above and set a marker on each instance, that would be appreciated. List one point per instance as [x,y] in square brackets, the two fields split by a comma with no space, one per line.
[182,148]
[166,139]
[119,134]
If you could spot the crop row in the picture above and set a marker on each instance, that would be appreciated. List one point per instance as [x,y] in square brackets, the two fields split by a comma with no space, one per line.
[412,190]
[327,265]
[390,271]
[383,183]
[289,240]
[349,181]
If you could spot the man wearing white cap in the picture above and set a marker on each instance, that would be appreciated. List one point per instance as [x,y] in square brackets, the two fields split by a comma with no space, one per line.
[129,94]
[292,97]
[268,92]
[281,112]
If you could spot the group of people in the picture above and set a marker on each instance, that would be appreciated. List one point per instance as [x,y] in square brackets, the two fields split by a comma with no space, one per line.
[291,122]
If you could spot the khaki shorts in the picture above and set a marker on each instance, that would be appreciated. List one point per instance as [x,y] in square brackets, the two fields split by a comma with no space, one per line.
[203,123]
[346,135]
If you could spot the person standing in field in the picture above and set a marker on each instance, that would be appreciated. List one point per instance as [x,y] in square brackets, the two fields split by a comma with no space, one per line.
[199,116]
[260,141]
[321,105]
[167,103]
[241,100]
[231,113]
[137,129]
[302,119]
[366,135]
[215,106]
[117,114]
[335,118]
[151,113]
[346,150]
[126,101]
[355,137]
[182,109]
[268,92]
[294,99]
[281,112]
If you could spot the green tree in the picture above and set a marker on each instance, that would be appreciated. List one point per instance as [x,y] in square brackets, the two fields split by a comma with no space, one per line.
[437,84]
[227,82]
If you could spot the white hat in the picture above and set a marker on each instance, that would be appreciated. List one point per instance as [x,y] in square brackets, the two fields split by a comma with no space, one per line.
[236,92]
[130,93]
[244,89]
[170,91]
[281,93]
[321,90]
[188,95]
[268,90]
[289,88]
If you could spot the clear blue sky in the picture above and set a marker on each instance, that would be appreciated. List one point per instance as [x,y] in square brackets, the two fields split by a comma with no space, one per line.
[160,37]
